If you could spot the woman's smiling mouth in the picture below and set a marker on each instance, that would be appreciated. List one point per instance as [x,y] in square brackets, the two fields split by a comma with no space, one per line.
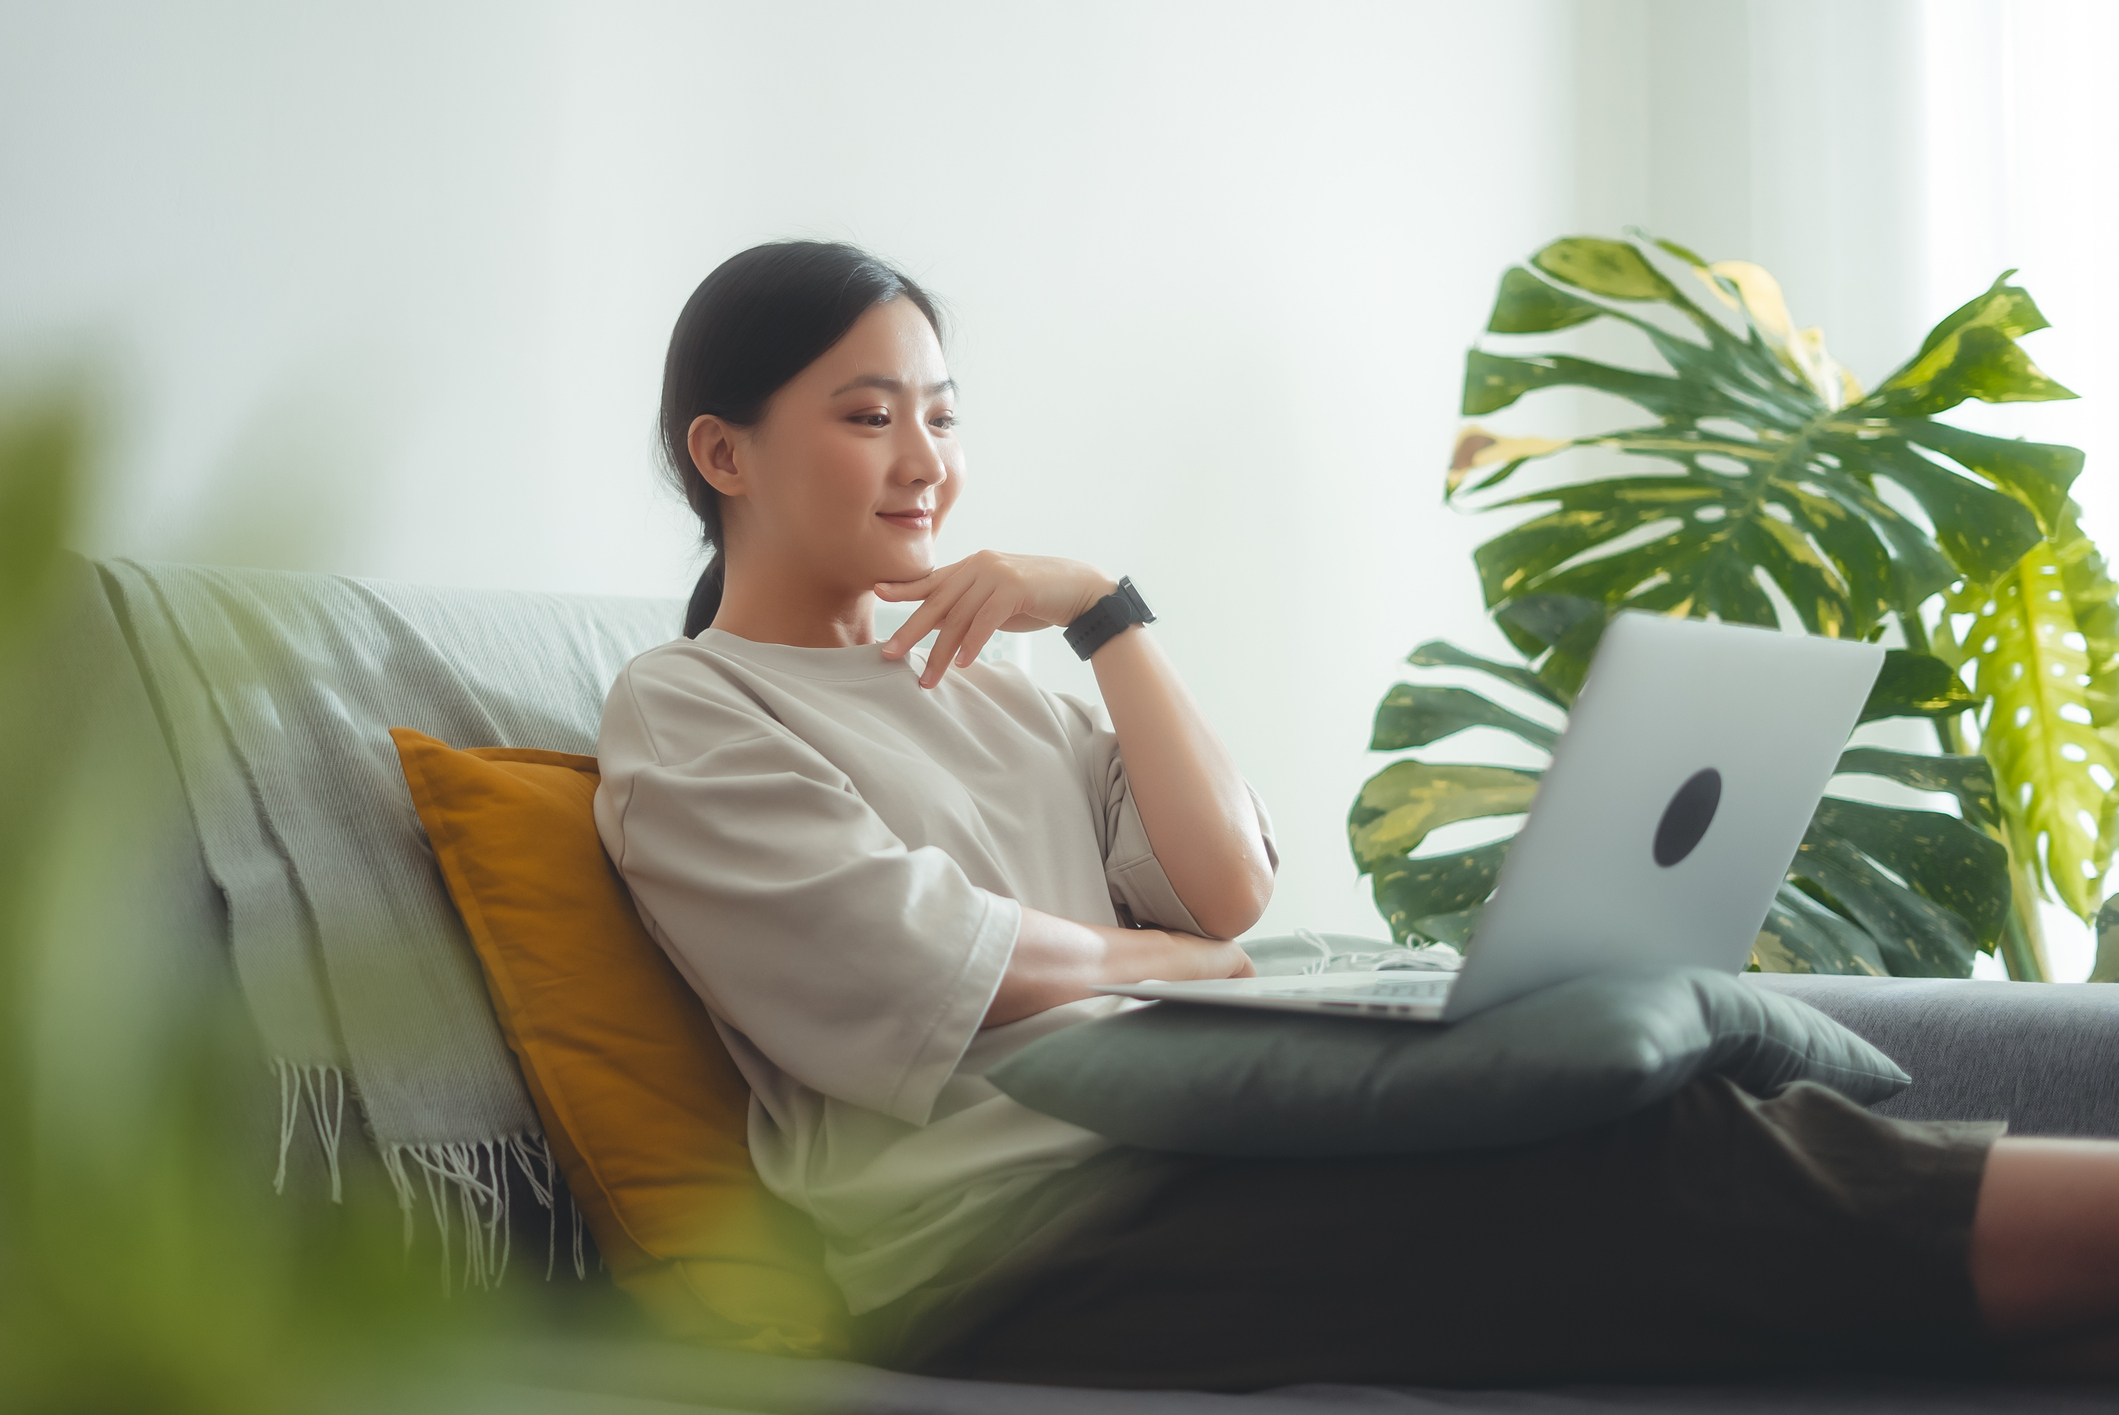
[919,518]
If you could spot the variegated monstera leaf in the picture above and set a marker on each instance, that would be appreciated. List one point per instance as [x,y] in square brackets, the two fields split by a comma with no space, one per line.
[1873,889]
[2043,645]
[1769,454]
[1770,469]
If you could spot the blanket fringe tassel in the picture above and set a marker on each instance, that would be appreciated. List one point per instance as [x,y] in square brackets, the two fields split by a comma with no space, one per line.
[468,1187]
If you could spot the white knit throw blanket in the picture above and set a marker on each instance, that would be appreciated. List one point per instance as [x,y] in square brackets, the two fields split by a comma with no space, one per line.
[277,691]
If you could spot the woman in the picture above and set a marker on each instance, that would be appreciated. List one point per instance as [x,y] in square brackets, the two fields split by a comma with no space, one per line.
[883,873]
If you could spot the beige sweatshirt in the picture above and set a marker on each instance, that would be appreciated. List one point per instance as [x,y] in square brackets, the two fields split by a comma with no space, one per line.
[837,860]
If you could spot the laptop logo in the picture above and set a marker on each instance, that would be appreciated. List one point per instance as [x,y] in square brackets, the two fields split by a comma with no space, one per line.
[1686,818]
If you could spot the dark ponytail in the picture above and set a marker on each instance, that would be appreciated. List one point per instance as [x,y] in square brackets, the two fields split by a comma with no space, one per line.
[751,326]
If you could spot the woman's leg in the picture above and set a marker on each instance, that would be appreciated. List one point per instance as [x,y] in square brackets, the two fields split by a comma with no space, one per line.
[2045,1252]
[1708,1236]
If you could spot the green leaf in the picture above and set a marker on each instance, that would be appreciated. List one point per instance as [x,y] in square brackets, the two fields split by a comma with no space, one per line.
[1406,801]
[2094,601]
[1716,533]
[1801,935]
[1476,448]
[1766,480]
[1422,887]
[1919,570]
[1982,532]
[1831,518]
[1536,623]
[1980,362]
[1842,556]
[1971,353]
[1938,857]
[1514,564]
[1438,653]
[2106,967]
[1916,685]
[2038,732]
[1915,937]
[2001,306]
[1684,253]
[1494,381]
[1527,305]
[1453,929]
[2038,474]
[1560,631]
[1970,778]
[1414,716]
[1613,269]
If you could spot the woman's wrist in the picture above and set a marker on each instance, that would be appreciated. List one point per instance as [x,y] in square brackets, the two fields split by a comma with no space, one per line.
[1136,955]
[1057,961]
[1095,587]
[1129,954]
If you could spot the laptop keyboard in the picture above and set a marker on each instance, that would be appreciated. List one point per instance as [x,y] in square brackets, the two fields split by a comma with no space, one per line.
[1386,990]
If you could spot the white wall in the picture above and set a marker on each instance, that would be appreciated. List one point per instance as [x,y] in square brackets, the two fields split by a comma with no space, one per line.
[386,290]
[383,289]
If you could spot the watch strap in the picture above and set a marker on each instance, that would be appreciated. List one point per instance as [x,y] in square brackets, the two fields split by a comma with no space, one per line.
[1107,618]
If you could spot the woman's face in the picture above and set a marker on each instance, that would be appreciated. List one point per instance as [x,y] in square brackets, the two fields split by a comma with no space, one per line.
[850,473]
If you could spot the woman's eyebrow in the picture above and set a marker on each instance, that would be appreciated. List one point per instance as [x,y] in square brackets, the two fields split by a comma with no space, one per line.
[893,385]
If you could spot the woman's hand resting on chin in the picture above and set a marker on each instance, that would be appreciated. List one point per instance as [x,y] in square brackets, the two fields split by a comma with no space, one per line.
[987,593]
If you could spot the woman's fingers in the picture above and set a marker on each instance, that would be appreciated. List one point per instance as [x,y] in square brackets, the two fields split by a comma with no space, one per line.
[956,626]
[995,612]
[926,617]
[968,602]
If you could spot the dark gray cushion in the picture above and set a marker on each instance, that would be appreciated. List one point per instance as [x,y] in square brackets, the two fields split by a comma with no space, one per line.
[1224,1081]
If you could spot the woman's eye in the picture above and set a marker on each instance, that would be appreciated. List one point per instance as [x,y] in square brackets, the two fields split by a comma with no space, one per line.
[945,421]
[872,419]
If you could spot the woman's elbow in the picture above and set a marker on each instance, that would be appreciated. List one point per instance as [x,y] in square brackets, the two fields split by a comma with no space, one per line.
[1239,903]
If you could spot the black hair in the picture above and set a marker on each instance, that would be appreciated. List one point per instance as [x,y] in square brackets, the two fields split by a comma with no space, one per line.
[761,318]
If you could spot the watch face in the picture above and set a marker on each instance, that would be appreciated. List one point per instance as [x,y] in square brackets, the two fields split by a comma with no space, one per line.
[1140,613]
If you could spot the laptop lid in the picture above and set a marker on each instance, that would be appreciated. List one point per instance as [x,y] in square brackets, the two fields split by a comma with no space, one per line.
[1691,764]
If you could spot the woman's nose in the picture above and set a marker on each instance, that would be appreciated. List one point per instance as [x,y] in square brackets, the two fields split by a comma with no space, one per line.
[921,463]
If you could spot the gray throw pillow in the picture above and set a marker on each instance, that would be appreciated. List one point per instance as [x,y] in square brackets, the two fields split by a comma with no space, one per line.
[1224,1081]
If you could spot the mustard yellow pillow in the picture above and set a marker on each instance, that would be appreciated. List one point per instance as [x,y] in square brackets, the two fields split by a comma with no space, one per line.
[642,1106]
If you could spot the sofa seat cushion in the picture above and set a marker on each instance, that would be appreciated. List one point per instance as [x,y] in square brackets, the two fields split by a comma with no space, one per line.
[643,1108]
[2042,1056]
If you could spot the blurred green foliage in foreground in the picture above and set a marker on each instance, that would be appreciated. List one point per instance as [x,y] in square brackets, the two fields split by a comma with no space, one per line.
[145,1263]
[147,1267]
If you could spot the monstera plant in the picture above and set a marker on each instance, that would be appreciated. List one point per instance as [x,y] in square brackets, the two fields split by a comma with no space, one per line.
[1775,491]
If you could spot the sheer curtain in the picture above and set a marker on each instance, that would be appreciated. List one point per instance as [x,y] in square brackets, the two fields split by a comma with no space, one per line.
[2020,139]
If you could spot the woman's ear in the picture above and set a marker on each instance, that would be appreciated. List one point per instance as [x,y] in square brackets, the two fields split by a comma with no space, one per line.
[712,442]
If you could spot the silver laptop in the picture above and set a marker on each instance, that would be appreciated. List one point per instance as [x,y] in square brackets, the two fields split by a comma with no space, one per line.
[1691,764]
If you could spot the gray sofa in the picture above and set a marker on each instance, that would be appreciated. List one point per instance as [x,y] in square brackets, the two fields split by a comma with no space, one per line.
[2043,1057]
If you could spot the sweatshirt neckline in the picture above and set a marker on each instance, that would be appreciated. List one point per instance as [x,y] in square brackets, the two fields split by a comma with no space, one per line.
[841,665]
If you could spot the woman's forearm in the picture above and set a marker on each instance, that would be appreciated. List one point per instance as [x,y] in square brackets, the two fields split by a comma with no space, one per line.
[1057,961]
[1191,798]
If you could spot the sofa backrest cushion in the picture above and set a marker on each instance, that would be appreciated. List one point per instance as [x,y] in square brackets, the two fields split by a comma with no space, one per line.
[276,691]
[640,1102]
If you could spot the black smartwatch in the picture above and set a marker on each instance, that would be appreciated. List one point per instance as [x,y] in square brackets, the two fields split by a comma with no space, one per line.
[1107,618]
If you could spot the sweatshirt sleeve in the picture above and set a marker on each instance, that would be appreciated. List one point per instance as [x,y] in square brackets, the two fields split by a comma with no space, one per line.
[1139,886]
[858,967]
